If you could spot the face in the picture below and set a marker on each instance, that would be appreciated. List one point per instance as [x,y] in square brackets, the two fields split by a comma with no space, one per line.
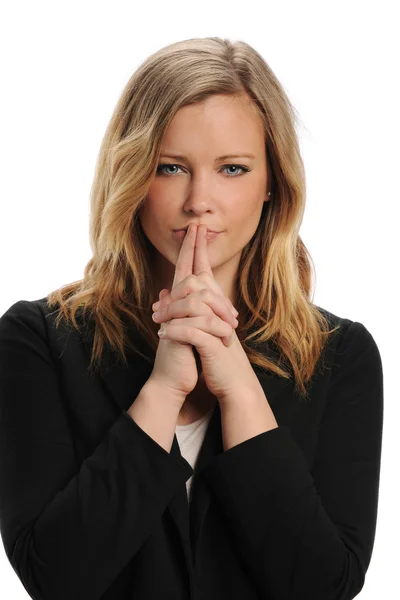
[226,195]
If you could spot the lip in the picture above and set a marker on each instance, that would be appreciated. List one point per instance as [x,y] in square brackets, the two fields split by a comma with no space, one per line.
[186,228]
[210,235]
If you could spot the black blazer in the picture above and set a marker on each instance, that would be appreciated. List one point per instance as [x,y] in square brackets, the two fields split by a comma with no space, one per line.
[92,507]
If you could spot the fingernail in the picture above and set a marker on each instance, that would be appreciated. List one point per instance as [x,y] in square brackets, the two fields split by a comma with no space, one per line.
[234,312]
[156,305]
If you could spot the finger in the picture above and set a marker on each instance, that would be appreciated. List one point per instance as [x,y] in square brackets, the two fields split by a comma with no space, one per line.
[193,256]
[201,260]
[184,264]
[227,341]
[179,309]
[183,329]
[163,294]
[166,298]
[184,336]
[220,307]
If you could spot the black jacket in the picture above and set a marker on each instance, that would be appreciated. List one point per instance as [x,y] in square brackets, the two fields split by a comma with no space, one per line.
[92,507]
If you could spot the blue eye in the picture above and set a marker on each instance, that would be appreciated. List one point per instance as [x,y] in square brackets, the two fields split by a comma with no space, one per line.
[242,167]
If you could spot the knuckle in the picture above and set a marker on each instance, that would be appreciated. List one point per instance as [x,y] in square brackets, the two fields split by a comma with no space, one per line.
[192,304]
[190,282]
[206,275]
[189,286]
[212,321]
[206,295]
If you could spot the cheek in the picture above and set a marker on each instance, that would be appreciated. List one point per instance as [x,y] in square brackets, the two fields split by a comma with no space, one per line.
[245,219]
[245,208]
[154,212]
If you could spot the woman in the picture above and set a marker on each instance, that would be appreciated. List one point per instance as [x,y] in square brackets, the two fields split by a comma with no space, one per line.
[227,459]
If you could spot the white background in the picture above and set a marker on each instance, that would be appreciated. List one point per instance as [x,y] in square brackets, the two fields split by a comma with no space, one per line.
[63,68]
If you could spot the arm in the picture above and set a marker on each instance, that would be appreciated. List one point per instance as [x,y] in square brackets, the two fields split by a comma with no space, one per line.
[241,421]
[157,418]
[69,529]
[304,533]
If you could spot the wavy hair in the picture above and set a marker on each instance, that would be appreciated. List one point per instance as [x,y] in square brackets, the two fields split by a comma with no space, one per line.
[274,276]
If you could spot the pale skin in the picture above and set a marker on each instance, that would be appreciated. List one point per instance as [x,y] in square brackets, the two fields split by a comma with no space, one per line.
[193,259]
[219,194]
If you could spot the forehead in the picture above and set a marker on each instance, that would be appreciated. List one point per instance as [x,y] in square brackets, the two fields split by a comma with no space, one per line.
[225,119]
[220,106]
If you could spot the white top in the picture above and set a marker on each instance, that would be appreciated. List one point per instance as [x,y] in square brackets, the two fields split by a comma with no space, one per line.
[190,439]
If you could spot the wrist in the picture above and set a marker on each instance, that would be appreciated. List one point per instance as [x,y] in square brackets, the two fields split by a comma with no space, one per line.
[251,394]
[162,393]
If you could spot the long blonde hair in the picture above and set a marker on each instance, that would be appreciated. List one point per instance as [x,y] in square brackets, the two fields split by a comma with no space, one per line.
[274,276]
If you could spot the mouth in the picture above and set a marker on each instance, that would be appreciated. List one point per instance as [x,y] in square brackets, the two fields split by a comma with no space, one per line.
[208,230]
[210,235]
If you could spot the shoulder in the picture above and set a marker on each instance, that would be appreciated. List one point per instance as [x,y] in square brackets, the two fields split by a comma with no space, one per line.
[32,311]
[27,315]
[352,344]
[350,332]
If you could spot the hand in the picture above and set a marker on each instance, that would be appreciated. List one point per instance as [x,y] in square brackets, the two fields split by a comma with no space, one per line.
[175,365]
[196,313]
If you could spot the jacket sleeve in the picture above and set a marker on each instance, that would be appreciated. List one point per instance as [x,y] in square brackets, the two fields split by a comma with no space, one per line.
[310,534]
[69,530]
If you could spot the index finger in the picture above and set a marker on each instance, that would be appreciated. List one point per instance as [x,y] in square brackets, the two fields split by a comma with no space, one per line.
[201,260]
[184,264]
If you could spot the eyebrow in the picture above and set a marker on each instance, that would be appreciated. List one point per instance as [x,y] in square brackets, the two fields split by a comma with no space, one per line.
[223,157]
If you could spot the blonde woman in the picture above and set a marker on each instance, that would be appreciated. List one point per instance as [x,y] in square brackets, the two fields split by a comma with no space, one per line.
[167,450]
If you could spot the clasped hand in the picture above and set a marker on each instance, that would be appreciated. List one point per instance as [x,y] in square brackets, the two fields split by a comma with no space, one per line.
[196,312]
